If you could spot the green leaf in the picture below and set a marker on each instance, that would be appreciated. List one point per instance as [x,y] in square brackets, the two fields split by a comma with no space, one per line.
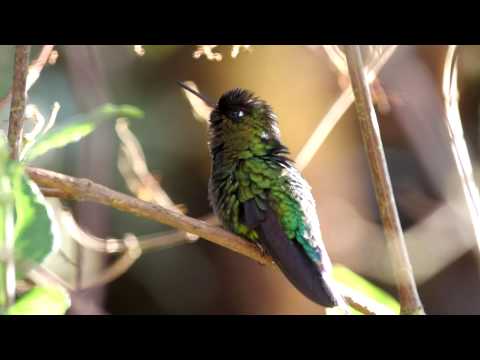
[6,210]
[36,232]
[46,300]
[358,285]
[80,127]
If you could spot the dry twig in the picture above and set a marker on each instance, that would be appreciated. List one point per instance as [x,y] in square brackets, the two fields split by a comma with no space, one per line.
[458,145]
[407,290]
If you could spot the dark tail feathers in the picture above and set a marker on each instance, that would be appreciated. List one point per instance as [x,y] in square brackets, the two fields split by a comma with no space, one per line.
[302,272]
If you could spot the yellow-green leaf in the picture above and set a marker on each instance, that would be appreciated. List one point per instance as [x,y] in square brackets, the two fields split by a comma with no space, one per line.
[82,126]
[46,300]
[364,290]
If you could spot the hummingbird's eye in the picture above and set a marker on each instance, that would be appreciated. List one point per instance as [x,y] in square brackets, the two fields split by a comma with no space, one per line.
[237,115]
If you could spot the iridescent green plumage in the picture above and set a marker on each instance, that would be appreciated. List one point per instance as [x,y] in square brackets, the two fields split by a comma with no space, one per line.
[257,192]
[252,166]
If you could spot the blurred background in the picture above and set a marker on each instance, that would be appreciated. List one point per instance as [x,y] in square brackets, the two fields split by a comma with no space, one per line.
[301,83]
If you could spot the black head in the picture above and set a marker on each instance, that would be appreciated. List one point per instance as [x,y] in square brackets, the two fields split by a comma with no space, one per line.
[238,104]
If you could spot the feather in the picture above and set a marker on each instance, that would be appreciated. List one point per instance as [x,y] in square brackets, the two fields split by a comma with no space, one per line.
[308,277]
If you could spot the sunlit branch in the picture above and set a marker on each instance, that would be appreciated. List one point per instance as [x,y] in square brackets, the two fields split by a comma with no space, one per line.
[458,145]
[406,287]
[87,190]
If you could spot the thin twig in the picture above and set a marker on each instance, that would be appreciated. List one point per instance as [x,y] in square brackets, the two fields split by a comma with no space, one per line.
[38,64]
[130,248]
[87,190]
[337,58]
[43,276]
[132,164]
[41,126]
[458,146]
[407,290]
[336,112]
[120,266]
[114,246]
[19,94]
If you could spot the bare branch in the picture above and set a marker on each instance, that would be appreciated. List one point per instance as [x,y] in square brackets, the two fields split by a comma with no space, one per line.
[19,94]
[132,164]
[337,57]
[130,248]
[86,190]
[120,266]
[38,64]
[43,276]
[407,290]
[133,167]
[114,246]
[458,145]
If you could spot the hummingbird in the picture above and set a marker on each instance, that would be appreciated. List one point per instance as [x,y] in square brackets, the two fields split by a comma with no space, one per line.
[258,193]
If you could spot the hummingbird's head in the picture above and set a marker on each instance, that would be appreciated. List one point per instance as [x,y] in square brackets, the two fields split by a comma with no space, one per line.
[241,109]
[239,114]
[236,105]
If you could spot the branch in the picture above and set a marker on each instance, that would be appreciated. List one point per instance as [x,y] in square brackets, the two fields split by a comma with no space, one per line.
[458,145]
[19,94]
[132,164]
[120,266]
[409,299]
[38,64]
[86,190]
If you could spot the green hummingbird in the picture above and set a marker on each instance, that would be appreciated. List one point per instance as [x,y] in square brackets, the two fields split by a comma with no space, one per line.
[258,193]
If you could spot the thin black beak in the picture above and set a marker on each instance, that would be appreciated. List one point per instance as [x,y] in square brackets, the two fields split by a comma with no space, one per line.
[204,98]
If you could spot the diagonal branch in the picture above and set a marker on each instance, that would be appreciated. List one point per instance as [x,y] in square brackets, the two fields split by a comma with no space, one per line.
[407,290]
[453,123]
[86,190]
[132,164]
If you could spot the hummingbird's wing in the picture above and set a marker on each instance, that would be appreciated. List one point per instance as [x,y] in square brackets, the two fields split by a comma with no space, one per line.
[305,274]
